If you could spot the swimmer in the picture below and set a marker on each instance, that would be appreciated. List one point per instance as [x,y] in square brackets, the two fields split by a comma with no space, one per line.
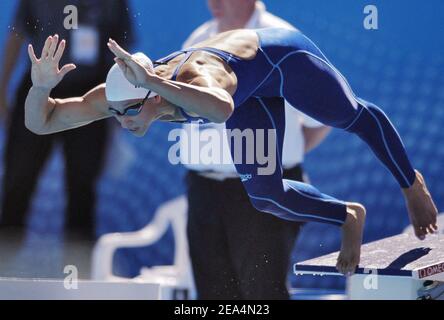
[225,79]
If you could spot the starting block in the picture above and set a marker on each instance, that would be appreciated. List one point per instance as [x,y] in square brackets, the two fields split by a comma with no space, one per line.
[395,268]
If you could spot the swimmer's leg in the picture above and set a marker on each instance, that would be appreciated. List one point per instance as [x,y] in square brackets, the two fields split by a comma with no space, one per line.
[268,191]
[287,199]
[319,90]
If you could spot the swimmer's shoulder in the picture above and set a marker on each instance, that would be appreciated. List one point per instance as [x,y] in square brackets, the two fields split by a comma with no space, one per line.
[96,98]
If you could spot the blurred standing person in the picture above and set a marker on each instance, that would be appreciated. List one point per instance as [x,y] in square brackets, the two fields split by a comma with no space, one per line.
[84,149]
[236,251]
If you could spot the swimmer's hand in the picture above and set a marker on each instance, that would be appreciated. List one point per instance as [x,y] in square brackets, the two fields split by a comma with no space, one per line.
[134,72]
[45,72]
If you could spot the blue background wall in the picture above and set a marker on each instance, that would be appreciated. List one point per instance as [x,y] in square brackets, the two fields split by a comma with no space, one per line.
[399,67]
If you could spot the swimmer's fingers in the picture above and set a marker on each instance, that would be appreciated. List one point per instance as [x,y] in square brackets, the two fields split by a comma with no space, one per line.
[65,69]
[134,65]
[59,53]
[118,51]
[31,54]
[53,46]
[46,47]
[122,65]
[131,63]
[128,71]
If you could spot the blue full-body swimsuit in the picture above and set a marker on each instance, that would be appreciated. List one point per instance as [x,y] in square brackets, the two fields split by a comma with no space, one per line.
[290,66]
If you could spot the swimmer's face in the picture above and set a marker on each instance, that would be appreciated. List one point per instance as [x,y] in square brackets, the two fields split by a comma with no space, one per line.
[138,124]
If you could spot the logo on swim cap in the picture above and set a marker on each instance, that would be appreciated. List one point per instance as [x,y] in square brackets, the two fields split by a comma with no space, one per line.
[118,88]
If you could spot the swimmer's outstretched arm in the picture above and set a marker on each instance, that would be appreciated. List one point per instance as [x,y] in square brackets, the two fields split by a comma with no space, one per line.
[201,95]
[44,115]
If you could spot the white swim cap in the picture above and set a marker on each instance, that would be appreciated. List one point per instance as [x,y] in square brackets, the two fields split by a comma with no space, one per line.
[118,88]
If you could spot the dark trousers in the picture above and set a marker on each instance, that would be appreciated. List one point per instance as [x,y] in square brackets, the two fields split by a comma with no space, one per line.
[236,251]
[25,156]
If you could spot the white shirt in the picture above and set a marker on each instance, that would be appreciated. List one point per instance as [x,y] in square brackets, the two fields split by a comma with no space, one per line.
[293,149]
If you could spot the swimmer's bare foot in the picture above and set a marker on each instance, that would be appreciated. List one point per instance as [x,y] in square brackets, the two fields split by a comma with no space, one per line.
[421,208]
[352,231]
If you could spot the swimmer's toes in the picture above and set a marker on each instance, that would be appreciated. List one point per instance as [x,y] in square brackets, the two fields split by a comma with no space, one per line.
[419,232]
[340,267]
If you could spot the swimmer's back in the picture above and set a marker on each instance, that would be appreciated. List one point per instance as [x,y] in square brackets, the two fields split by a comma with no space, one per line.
[241,43]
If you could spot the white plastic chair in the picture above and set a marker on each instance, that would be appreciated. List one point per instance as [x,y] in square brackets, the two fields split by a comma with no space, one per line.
[174,280]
